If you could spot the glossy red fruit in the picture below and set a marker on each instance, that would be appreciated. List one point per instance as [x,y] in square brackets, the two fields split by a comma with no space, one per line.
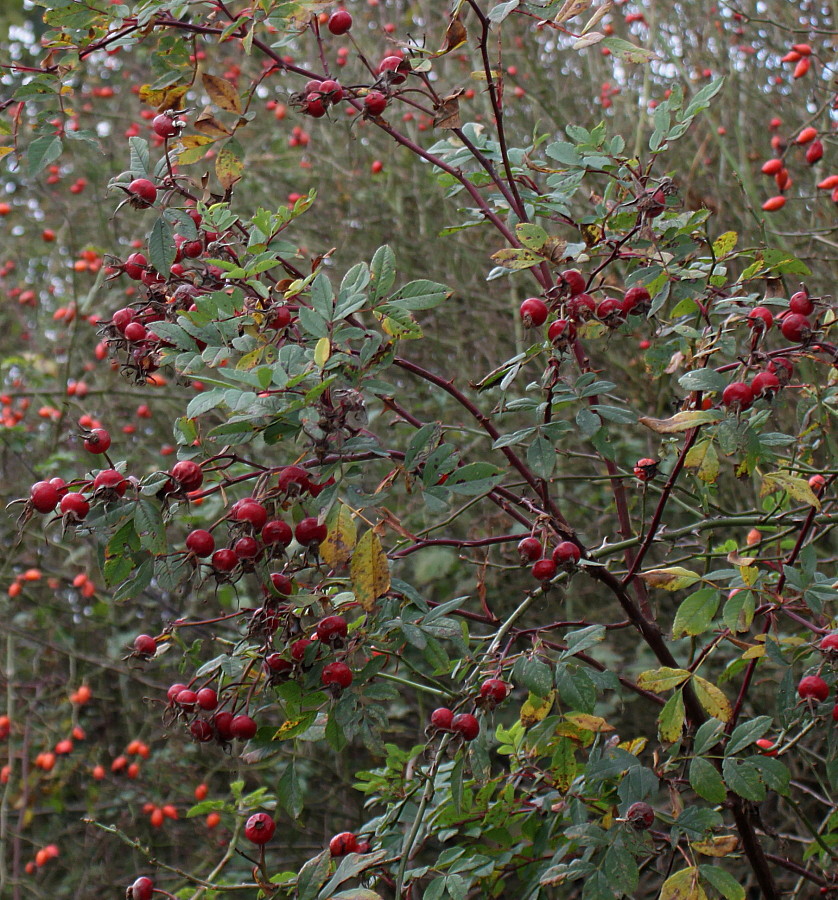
[343,843]
[243,727]
[772,166]
[331,630]
[796,327]
[645,469]
[561,333]
[281,583]
[141,889]
[164,126]
[337,673]
[533,312]
[767,747]
[331,90]
[314,106]
[581,307]
[465,724]
[202,731]
[74,506]
[398,66]
[186,699]
[123,317]
[246,547]
[494,690]
[43,496]
[566,554]
[760,318]
[375,103]
[801,303]
[134,267]
[610,311]
[207,699]
[544,570]
[829,644]
[640,816]
[442,718]
[98,441]
[298,649]
[817,483]
[573,280]
[276,664]
[249,510]
[224,560]
[200,542]
[772,204]
[814,152]
[259,828]
[636,301]
[174,690]
[109,481]
[738,395]
[530,549]
[145,646]
[783,368]
[135,331]
[339,22]
[813,687]
[142,191]
[310,533]
[765,384]
[277,533]
[188,474]
[294,480]
[222,722]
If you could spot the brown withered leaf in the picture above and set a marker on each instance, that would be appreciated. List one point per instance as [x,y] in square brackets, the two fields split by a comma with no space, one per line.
[165,98]
[222,93]
[207,124]
[455,36]
[722,845]
[570,9]
[447,111]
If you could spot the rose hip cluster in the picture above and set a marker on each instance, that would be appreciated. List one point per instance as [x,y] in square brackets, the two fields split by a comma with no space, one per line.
[813,688]
[565,557]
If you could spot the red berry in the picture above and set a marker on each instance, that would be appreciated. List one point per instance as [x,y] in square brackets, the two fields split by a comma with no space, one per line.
[337,673]
[298,649]
[243,727]
[442,718]
[277,532]
[573,280]
[772,204]
[201,730]
[760,318]
[640,816]
[142,191]
[610,311]
[223,721]
[293,480]
[339,22]
[141,889]
[772,166]
[466,725]
[544,570]
[343,843]
[331,90]
[738,395]
[796,327]
[276,664]
[123,317]
[767,747]
[174,690]
[829,644]
[636,300]
[74,506]
[533,312]
[765,384]
[561,333]
[314,106]
[246,547]
[397,66]
[494,690]
[813,687]
[375,103]
[281,583]
[207,699]
[816,483]
[249,510]
[566,554]
[200,542]
[782,368]
[43,496]
[188,474]
[134,267]
[110,482]
[145,646]
[186,699]
[259,828]
[814,152]
[98,441]
[331,630]
[224,560]
[309,532]
[645,469]
[135,331]
[801,303]
[530,549]
[581,307]
[164,125]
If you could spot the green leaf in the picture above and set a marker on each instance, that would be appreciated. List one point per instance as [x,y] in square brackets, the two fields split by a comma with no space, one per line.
[620,869]
[580,640]
[534,237]
[774,773]
[313,876]
[628,52]
[706,781]
[139,157]
[148,522]
[675,578]
[703,380]
[745,734]
[382,271]
[533,674]
[696,613]
[743,777]
[43,151]
[671,719]
[422,294]
[541,457]
[723,882]
[682,885]
[702,99]
[161,247]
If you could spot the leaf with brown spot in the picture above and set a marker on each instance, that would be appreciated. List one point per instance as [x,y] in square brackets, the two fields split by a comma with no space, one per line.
[591,38]
[570,9]
[369,571]
[682,421]
[723,845]
[455,36]
[535,709]
[229,167]
[164,98]
[206,123]
[336,550]
[194,148]
[222,93]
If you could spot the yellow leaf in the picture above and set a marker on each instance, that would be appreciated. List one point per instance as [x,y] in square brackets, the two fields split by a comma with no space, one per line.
[369,571]
[723,845]
[797,488]
[682,421]
[724,243]
[712,699]
[222,93]
[228,167]
[671,719]
[683,885]
[662,679]
[635,746]
[5,150]
[194,147]
[672,579]
[336,550]
[322,351]
[590,723]
[535,709]
[755,652]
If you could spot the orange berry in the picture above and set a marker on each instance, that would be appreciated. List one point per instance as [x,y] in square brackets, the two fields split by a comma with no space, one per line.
[14,589]
[802,67]
[47,761]
[51,850]
[118,764]
[806,135]
[82,695]
[754,537]
[143,750]
[133,770]
[157,818]
[213,820]
[201,792]
[79,733]
[62,748]
[32,575]
[772,204]
[98,772]
[169,811]
[41,857]
[131,749]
